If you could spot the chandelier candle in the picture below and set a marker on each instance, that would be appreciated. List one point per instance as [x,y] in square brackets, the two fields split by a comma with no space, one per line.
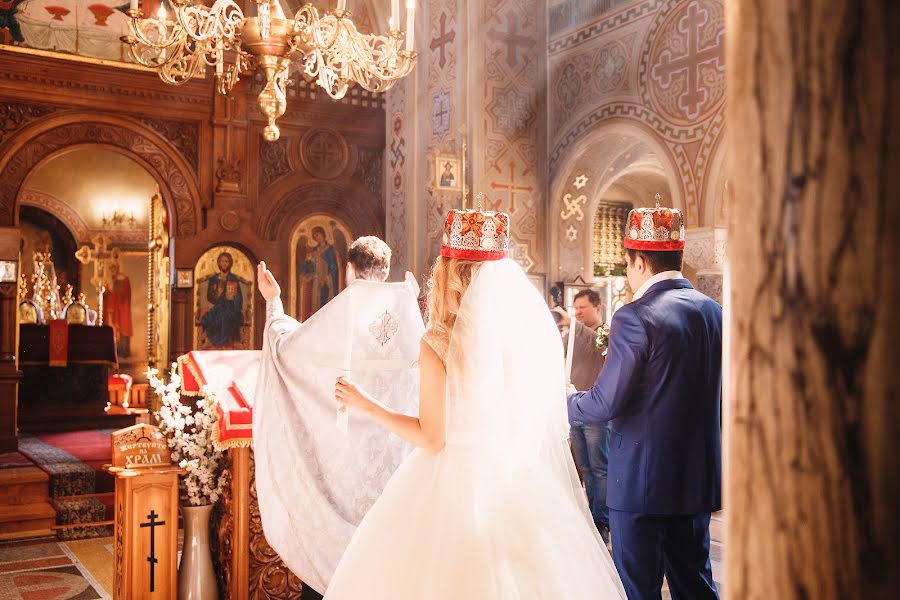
[395,14]
[410,23]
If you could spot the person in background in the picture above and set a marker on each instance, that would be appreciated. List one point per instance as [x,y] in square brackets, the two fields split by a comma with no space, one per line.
[590,442]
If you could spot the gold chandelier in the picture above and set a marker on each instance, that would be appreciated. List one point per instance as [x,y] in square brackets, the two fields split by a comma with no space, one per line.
[328,47]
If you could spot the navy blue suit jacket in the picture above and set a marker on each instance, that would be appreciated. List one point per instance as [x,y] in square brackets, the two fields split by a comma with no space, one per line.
[661,389]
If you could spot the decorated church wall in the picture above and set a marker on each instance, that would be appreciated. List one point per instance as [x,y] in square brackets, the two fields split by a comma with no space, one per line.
[636,107]
[219,179]
[480,81]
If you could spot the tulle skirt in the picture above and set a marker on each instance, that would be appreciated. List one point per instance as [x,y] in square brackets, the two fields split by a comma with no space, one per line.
[447,528]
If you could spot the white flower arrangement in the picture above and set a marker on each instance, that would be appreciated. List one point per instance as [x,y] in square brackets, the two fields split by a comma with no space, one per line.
[602,341]
[189,431]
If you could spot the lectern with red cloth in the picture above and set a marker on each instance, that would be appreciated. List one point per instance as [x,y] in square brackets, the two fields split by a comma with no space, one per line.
[229,378]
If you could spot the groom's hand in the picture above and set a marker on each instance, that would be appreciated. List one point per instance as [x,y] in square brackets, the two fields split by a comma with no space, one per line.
[268,287]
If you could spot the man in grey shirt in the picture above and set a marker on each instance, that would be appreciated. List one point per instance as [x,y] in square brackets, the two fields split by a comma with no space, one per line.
[590,443]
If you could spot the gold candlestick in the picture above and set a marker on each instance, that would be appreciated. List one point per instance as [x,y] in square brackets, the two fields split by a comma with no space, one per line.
[100,305]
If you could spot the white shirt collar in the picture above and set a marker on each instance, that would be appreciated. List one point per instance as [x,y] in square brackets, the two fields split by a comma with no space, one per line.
[664,276]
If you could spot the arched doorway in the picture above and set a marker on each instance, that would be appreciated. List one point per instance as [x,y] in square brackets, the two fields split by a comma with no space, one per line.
[619,165]
[40,143]
[95,191]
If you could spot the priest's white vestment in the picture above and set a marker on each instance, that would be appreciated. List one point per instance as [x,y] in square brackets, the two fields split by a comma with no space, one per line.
[315,481]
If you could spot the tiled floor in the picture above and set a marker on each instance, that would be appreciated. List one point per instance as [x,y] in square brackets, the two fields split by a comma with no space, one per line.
[83,570]
[51,570]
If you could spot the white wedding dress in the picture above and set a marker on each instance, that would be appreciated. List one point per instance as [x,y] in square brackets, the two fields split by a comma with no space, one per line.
[499,513]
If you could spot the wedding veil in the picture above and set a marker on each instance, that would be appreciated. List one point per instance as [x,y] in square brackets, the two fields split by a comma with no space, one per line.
[506,398]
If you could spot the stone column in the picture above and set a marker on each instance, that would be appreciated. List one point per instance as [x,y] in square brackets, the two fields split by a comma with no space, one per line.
[704,259]
[813,413]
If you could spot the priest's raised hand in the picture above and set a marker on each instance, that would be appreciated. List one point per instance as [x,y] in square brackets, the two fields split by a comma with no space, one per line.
[268,287]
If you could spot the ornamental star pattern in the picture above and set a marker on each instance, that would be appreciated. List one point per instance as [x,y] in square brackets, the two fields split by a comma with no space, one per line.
[571,233]
[580,181]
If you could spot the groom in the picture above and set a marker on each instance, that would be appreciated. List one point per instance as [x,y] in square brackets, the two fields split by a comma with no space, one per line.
[660,388]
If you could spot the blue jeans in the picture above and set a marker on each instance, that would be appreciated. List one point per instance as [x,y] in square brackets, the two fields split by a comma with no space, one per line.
[590,446]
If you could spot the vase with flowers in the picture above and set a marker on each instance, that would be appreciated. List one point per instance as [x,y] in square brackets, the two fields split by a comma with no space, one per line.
[188,425]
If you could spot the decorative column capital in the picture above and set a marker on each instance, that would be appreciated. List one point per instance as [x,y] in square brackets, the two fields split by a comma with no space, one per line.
[705,249]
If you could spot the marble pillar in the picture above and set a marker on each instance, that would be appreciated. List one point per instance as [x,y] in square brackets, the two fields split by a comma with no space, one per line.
[704,259]
[813,382]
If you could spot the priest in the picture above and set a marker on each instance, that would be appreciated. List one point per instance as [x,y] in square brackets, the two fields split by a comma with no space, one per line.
[319,471]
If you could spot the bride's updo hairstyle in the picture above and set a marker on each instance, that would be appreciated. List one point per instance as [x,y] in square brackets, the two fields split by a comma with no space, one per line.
[471,237]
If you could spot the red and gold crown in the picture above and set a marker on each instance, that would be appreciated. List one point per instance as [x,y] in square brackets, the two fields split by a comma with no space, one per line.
[658,229]
[476,235]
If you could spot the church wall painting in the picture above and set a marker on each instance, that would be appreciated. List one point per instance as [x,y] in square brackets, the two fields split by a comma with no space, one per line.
[319,247]
[124,308]
[79,28]
[652,72]
[512,130]
[224,295]
[34,238]
[448,173]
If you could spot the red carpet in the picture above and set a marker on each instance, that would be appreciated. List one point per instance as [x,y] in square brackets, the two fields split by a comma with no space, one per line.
[92,447]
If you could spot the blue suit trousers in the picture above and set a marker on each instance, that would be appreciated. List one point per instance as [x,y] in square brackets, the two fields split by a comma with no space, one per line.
[646,547]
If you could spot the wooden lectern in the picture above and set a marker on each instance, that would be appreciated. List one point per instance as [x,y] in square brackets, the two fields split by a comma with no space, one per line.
[146,520]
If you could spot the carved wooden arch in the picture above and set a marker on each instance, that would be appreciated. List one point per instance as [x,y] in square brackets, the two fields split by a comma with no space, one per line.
[39,142]
[347,200]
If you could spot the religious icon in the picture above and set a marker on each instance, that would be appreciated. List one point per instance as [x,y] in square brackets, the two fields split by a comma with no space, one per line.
[29,312]
[117,308]
[319,263]
[76,314]
[8,271]
[184,278]
[447,171]
[224,295]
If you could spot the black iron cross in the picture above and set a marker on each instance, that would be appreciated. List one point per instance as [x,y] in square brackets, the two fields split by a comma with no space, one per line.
[152,524]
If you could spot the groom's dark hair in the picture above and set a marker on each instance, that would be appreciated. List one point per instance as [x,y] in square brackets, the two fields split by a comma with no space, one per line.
[370,257]
[659,261]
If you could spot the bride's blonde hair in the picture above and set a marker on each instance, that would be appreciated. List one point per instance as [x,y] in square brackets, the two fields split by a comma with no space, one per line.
[450,278]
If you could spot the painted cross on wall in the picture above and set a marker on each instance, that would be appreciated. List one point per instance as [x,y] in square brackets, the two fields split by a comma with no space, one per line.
[441,41]
[512,39]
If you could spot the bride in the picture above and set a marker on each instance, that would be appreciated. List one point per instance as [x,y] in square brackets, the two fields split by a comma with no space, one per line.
[488,505]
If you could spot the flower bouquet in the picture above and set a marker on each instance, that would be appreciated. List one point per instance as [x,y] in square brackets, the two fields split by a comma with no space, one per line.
[189,430]
[603,338]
